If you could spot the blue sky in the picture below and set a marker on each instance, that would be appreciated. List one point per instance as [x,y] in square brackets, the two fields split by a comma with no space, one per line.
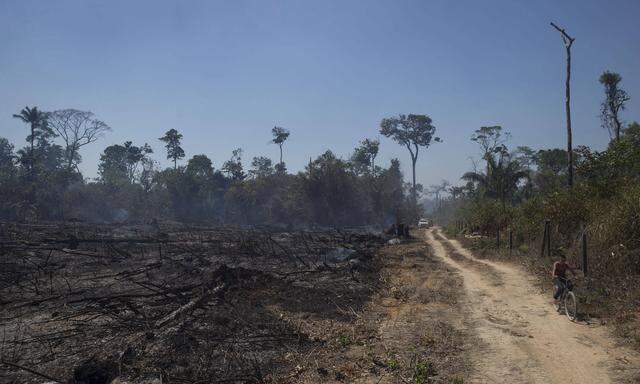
[224,73]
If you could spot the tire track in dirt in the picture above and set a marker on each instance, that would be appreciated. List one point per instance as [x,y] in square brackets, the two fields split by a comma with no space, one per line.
[523,339]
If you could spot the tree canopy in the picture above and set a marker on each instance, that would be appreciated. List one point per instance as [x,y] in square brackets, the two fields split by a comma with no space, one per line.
[172,139]
[413,132]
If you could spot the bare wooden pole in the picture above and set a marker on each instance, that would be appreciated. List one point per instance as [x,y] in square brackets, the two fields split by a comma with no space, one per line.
[510,241]
[544,239]
[585,261]
[568,42]
[548,225]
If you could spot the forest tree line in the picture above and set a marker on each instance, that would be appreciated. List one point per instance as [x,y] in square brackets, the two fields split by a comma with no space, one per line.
[518,188]
[42,180]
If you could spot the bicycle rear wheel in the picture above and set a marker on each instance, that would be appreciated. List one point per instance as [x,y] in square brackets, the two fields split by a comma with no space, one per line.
[571,306]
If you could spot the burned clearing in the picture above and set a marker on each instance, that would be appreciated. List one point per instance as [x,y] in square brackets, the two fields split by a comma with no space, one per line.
[175,303]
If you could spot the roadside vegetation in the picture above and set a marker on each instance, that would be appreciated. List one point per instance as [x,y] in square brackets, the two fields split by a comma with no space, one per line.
[516,190]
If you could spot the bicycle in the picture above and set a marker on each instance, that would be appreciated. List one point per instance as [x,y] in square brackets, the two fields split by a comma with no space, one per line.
[567,300]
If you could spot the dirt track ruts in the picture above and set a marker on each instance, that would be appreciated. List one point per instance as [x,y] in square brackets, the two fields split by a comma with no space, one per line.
[523,339]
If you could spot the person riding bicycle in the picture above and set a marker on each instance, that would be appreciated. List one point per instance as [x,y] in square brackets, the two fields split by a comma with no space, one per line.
[559,274]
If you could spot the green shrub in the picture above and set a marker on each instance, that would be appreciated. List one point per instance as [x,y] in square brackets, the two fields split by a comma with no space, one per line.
[393,364]
[344,340]
[615,231]
[422,371]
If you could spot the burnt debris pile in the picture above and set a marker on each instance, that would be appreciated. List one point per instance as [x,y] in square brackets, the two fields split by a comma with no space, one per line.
[173,303]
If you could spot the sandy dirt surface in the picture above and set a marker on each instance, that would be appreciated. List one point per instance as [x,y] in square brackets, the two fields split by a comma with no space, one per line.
[411,331]
[523,339]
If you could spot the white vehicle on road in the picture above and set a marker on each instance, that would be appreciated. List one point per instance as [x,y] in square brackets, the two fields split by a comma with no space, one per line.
[424,223]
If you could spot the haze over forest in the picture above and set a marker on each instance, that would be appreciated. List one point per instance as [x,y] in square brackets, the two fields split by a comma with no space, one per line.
[224,74]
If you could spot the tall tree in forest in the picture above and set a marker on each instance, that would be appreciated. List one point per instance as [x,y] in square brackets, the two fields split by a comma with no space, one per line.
[233,167]
[491,140]
[501,178]
[526,156]
[7,174]
[412,131]
[613,103]
[174,152]
[568,42]
[364,155]
[280,135]
[6,154]
[120,163]
[436,191]
[261,167]
[77,129]
[200,165]
[37,121]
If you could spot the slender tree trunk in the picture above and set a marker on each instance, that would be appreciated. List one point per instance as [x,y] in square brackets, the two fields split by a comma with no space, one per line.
[280,154]
[70,158]
[31,159]
[175,163]
[33,130]
[568,110]
[414,159]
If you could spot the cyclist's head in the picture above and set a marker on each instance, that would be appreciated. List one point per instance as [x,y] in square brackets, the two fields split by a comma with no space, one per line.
[560,254]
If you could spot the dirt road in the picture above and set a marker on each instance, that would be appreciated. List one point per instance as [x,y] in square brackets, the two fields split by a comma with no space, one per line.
[523,340]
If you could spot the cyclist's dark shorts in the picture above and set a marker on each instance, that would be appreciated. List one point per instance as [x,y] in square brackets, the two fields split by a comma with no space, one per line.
[559,285]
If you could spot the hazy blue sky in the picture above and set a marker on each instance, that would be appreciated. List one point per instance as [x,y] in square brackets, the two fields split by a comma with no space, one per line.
[224,73]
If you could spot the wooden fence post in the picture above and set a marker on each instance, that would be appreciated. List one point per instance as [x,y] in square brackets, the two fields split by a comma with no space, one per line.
[548,224]
[585,261]
[546,239]
[510,241]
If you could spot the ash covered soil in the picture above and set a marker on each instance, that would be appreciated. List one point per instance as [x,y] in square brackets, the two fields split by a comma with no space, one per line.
[188,304]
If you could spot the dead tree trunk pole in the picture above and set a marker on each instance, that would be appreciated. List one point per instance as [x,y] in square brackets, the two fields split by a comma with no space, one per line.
[568,42]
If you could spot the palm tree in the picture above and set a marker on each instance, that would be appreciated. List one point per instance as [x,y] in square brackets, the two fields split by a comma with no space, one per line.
[501,178]
[35,119]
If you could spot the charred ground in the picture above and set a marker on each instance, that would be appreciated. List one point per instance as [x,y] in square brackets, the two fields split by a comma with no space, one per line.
[177,302]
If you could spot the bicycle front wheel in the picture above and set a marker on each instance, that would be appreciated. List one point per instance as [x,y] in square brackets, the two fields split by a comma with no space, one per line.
[558,305]
[571,306]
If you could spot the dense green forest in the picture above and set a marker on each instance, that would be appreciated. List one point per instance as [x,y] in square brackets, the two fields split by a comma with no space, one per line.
[42,181]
